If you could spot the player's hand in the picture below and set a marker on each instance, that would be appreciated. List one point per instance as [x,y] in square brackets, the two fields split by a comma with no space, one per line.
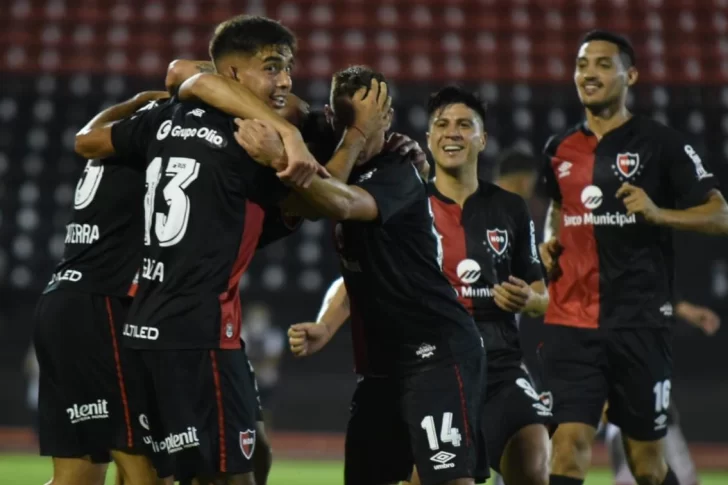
[512,295]
[372,107]
[407,147]
[308,338]
[293,162]
[260,140]
[637,201]
[550,252]
[699,316]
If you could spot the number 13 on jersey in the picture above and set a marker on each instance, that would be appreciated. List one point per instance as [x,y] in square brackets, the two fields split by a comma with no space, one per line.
[169,227]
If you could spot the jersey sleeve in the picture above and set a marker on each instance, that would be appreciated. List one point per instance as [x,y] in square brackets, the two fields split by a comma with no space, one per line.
[277,225]
[526,263]
[131,136]
[548,184]
[394,188]
[689,172]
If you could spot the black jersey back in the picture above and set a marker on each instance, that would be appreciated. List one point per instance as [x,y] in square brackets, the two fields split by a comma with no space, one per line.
[617,269]
[405,314]
[102,251]
[487,240]
[204,209]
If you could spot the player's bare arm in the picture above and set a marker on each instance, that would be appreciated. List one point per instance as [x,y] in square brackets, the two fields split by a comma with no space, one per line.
[94,139]
[517,296]
[711,217]
[550,249]
[698,316]
[181,70]
[308,338]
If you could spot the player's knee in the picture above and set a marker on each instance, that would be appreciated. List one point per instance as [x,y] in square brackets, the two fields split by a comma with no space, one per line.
[647,462]
[526,458]
[572,445]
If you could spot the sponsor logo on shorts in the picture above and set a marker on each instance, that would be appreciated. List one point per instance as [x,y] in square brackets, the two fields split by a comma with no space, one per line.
[426,351]
[544,401]
[84,412]
[144,421]
[667,309]
[247,442]
[443,458]
[660,422]
[175,442]
[144,333]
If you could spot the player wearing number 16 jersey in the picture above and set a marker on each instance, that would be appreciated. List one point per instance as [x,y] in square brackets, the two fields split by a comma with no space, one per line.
[616,183]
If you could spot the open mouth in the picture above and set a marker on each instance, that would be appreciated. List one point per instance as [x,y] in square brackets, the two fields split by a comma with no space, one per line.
[279,101]
[591,88]
[451,149]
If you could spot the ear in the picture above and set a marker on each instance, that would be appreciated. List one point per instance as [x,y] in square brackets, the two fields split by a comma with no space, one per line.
[429,142]
[632,76]
[233,72]
[390,117]
[483,140]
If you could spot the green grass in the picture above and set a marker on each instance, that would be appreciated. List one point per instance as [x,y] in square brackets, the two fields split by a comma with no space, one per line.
[33,470]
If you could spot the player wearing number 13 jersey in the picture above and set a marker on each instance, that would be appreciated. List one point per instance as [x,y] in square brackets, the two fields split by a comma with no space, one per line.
[616,183]
[204,205]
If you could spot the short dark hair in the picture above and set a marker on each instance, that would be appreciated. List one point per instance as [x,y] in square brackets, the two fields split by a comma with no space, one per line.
[248,34]
[512,161]
[347,82]
[626,51]
[455,95]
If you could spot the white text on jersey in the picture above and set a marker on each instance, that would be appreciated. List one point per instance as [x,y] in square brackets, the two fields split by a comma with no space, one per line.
[152,269]
[81,233]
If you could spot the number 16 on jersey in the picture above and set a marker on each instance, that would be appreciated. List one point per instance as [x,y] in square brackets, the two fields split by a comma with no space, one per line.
[169,228]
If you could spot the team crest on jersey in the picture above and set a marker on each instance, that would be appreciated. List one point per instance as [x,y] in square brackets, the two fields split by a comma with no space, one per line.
[627,165]
[497,240]
[247,443]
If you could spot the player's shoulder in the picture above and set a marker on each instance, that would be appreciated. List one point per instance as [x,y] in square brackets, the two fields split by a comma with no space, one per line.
[557,139]
[657,130]
[496,196]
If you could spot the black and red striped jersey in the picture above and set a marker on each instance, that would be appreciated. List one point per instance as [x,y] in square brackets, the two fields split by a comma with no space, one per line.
[404,313]
[102,250]
[488,239]
[204,208]
[617,270]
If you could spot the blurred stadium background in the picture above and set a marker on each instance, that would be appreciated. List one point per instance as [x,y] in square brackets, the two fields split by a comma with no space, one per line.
[61,61]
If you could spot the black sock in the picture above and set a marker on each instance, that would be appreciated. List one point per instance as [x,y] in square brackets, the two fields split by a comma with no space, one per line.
[562,480]
[670,478]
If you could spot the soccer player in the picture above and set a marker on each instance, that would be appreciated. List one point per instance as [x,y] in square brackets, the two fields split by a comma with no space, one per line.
[417,350]
[491,260]
[677,453]
[204,209]
[88,403]
[616,182]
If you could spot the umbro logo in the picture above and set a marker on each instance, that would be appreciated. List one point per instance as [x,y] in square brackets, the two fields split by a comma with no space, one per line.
[564,169]
[196,112]
[366,176]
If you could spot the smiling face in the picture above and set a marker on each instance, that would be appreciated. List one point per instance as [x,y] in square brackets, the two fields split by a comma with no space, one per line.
[456,136]
[601,76]
[267,73]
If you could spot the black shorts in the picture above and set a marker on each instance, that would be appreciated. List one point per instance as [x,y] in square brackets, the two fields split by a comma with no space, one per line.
[201,411]
[629,368]
[511,403]
[88,387]
[254,384]
[430,419]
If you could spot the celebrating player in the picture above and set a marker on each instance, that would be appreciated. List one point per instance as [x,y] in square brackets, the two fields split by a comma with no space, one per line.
[615,182]
[88,403]
[490,259]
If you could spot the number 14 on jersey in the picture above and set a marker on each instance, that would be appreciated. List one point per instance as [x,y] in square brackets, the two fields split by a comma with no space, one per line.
[169,227]
[448,434]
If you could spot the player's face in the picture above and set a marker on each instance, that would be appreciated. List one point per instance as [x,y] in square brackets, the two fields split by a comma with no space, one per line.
[267,74]
[600,75]
[456,136]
